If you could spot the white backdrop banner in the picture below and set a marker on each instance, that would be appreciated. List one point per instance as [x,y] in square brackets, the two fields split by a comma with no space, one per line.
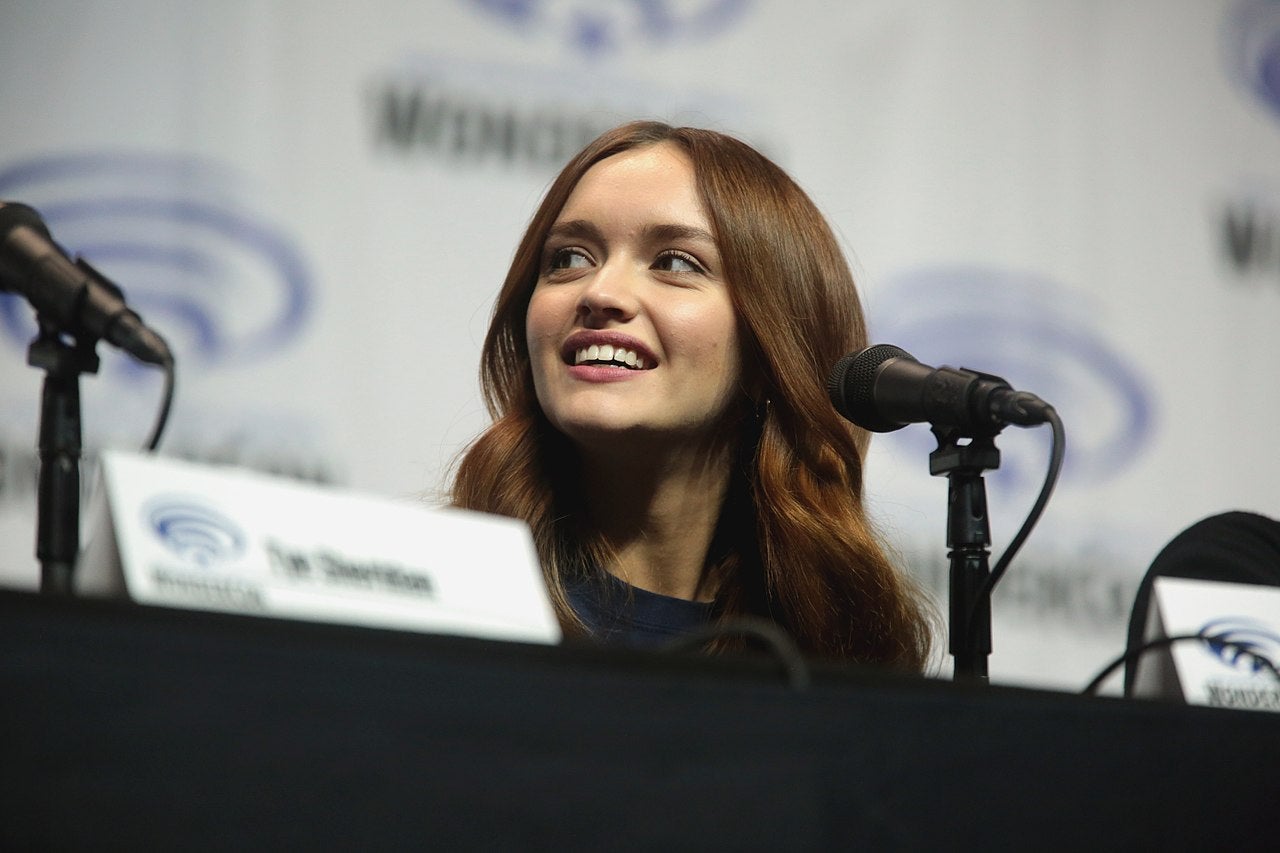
[317,202]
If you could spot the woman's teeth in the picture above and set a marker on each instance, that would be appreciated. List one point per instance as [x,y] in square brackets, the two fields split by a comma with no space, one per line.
[609,354]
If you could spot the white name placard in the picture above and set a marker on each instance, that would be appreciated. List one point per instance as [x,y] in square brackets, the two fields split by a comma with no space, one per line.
[1215,671]
[184,535]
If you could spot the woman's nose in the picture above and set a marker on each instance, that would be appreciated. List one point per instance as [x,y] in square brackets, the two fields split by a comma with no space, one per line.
[609,293]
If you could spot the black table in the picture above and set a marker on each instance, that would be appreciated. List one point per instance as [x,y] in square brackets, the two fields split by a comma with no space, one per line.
[144,728]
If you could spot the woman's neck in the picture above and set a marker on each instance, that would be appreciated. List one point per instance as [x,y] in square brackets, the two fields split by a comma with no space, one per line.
[658,516]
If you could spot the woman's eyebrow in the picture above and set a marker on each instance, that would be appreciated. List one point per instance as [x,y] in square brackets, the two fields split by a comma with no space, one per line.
[579,229]
[666,232]
[582,229]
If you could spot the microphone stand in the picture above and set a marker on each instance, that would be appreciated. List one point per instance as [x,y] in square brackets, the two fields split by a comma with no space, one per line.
[58,502]
[968,538]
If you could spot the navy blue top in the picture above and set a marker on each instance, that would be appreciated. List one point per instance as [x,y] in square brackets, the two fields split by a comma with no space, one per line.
[616,612]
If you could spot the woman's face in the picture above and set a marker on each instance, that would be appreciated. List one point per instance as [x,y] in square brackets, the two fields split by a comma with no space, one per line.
[630,328]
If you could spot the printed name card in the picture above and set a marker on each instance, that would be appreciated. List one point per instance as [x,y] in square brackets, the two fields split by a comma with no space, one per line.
[178,534]
[1234,619]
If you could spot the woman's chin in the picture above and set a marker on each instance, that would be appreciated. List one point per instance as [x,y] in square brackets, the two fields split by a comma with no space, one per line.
[602,431]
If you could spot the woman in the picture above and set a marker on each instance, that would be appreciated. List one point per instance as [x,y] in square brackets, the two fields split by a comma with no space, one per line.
[655,368]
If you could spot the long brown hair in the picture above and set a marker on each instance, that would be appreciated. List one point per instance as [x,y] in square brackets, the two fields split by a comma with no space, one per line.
[793,543]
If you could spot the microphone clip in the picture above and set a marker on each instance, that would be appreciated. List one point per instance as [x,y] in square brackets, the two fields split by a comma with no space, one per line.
[978,455]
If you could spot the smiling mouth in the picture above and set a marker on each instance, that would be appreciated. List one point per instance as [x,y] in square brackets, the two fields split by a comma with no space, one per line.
[606,355]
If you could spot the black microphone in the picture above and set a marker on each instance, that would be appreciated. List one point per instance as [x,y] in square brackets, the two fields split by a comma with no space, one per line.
[70,294]
[883,389]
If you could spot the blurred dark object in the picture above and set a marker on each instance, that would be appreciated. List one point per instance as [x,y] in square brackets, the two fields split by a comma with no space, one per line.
[1233,547]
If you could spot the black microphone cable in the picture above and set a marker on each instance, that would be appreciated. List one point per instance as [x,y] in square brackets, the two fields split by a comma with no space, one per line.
[777,642]
[1057,451]
[1134,654]
[166,403]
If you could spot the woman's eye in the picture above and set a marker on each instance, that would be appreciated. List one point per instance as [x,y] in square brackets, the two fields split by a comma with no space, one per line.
[677,262]
[567,259]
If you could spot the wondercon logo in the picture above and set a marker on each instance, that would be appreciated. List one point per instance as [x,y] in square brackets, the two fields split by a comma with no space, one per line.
[221,282]
[597,27]
[1238,642]
[1252,49]
[1036,334]
[193,531]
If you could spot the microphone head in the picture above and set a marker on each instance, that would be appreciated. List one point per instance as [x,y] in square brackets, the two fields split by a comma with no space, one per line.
[851,386]
[15,257]
[13,214]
